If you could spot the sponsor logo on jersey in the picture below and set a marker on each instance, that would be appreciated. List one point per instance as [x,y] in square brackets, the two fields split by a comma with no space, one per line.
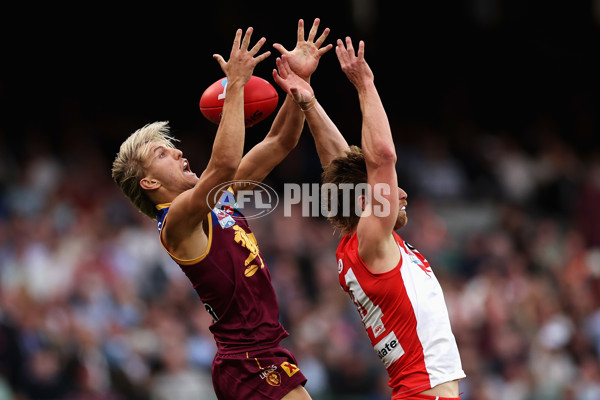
[377,330]
[289,368]
[228,209]
[388,349]
[417,259]
[271,376]
[225,220]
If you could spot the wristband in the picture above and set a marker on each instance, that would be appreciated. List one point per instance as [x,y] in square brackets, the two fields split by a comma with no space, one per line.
[307,105]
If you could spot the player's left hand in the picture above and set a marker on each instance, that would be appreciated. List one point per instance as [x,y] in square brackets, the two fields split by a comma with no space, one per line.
[304,58]
[291,83]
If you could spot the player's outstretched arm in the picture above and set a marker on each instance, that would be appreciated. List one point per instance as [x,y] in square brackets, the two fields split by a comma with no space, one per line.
[376,244]
[191,207]
[328,140]
[301,63]
[289,121]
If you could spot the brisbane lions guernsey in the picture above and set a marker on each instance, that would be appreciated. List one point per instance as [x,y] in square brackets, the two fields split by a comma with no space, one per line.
[233,282]
[405,316]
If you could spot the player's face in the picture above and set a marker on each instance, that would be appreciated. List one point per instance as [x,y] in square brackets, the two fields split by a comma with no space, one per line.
[169,167]
[402,217]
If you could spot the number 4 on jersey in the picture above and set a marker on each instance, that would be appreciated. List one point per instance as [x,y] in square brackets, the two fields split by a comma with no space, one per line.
[370,313]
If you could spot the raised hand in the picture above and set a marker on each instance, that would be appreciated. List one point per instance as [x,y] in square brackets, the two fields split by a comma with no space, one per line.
[353,64]
[291,83]
[242,61]
[304,58]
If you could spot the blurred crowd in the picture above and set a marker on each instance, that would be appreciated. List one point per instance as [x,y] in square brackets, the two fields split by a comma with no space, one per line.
[91,307]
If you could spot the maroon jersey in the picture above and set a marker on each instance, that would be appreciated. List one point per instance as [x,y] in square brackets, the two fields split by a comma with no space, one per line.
[234,284]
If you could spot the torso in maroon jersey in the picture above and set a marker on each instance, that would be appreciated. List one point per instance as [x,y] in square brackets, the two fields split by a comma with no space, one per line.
[234,284]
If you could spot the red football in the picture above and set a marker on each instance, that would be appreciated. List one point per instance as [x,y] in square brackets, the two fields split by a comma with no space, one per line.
[260,100]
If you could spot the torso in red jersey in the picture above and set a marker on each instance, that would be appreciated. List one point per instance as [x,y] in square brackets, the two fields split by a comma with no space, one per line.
[234,284]
[405,316]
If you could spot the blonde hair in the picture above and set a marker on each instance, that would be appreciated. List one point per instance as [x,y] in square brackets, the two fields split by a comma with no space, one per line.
[129,166]
[347,168]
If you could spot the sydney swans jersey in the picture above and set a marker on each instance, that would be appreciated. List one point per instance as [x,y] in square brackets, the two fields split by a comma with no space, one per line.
[405,316]
[233,282]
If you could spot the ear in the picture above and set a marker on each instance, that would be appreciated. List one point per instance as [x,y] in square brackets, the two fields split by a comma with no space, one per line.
[149,184]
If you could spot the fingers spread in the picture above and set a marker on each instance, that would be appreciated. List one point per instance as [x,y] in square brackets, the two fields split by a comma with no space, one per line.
[322,38]
[257,46]
[236,40]
[246,40]
[219,59]
[262,57]
[300,37]
[324,50]
[340,50]
[313,30]
[361,50]
[349,45]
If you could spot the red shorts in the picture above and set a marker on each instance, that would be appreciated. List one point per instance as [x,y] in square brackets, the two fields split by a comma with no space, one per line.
[265,374]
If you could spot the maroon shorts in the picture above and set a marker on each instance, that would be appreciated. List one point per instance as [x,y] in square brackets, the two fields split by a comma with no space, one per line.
[264,374]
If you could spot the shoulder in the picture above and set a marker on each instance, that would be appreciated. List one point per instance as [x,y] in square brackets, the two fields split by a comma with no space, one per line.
[348,241]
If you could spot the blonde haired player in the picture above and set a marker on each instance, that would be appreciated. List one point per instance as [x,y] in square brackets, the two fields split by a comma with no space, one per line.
[392,285]
[213,244]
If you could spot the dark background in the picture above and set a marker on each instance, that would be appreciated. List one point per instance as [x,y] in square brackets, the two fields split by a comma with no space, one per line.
[92,74]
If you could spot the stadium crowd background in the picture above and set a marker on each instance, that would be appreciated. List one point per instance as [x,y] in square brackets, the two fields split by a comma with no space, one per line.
[494,105]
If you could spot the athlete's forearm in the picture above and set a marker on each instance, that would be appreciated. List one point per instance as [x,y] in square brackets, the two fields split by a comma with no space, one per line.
[377,141]
[328,139]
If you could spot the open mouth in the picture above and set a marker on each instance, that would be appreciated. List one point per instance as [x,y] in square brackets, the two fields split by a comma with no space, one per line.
[403,208]
[186,167]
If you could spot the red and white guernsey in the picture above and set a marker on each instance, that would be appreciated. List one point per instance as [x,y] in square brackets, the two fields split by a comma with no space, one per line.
[405,316]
